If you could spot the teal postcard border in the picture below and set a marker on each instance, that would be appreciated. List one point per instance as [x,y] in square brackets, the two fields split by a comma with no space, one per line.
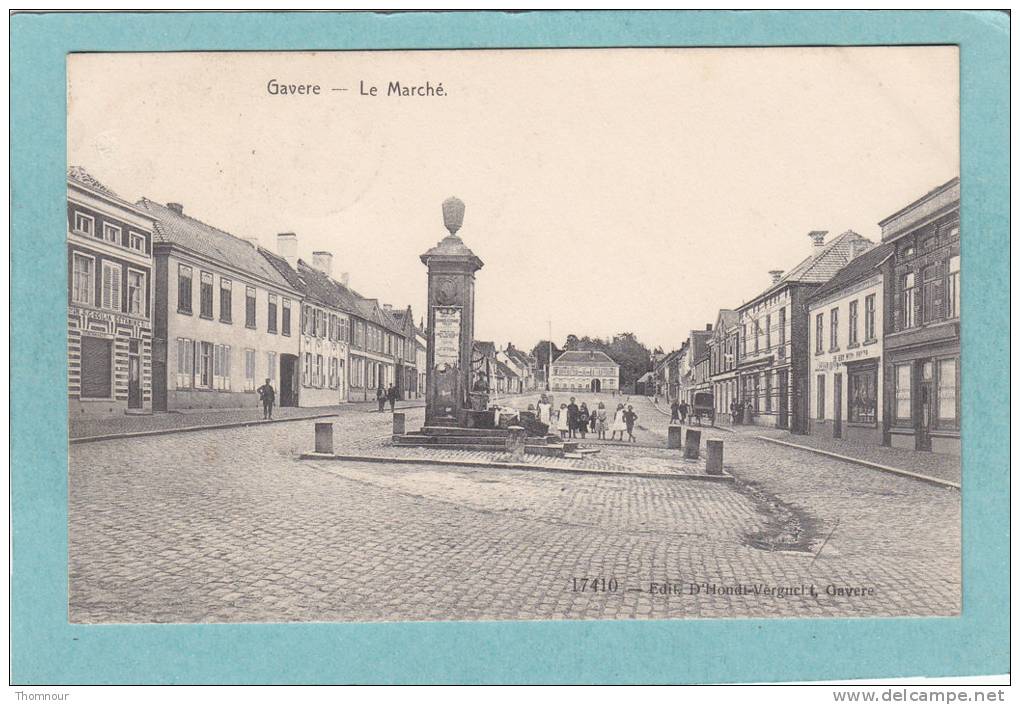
[46,649]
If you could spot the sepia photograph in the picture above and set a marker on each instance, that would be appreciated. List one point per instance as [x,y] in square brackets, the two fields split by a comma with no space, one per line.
[514,334]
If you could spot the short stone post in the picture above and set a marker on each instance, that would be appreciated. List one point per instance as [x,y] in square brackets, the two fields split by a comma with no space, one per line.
[714,464]
[692,445]
[515,441]
[324,438]
[398,423]
[673,441]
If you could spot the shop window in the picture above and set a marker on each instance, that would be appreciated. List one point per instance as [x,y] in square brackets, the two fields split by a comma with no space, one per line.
[862,395]
[96,367]
[901,379]
[948,393]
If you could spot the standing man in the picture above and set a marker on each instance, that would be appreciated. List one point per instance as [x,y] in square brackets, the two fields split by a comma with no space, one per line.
[267,395]
[391,395]
[629,417]
[674,411]
[572,417]
[683,412]
[380,397]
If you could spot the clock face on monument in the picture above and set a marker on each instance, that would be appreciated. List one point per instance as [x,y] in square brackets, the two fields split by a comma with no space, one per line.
[447,290]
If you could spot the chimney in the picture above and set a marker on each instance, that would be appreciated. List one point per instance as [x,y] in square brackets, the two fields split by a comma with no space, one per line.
[176,208]
[776,275]
[323,261]
[286,247]
[708,326]
[818,238]
[858,246]
[345,278]
[388,308]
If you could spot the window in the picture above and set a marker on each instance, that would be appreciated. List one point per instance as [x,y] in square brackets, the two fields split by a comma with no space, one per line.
[931,293]
[332,327]
[743,336]
[820,398]
[305,323]
[852,330]
[96,367]
[271,366]
[221,367]
[83,282]
[249,306]
[272,313]
[136,293]
[768,331]
[862,395]
[185,362]
[286,317]
[111,286]
[205,295]
[901,378]
[757,387]
[757,334]
[205,365]
[306,370]
[136,242]
[318,371]
[84,224]
[782,332]
[226,300]
[819,326]
[834,329]
[183,288]
[344,329]
[953,288]
[768,391]
[869,317]
[249,370]
[111,233]
[322,324]
[907,312]
[948,393]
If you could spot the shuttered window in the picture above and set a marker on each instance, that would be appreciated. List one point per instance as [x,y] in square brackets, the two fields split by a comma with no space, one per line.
[205,296]
[111,286]
[184,288]
[249,307]
[96,367]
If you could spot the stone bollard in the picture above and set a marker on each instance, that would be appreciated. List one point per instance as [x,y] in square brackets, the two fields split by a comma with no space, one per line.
[714,464]
[324,438]
[515,441]
[673,442]
[398,423]
[692,445]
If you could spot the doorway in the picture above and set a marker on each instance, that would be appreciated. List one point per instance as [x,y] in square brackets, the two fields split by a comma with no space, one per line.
[288,380]
[837,405]
[596,385]
[134,376]
[924,399]
[784,399]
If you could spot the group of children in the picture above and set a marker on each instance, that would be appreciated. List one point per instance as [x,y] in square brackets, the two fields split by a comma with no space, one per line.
[573,420]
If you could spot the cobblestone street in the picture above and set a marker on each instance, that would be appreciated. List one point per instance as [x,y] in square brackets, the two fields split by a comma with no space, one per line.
[229,526]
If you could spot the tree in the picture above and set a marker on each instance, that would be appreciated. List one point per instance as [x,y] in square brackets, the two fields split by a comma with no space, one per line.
[541,353]
[633,357]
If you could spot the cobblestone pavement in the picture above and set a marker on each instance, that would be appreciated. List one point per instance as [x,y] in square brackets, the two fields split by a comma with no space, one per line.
[228,526]
[83,426]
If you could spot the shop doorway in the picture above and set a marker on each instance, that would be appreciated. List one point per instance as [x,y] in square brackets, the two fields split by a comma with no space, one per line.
[924,397]
[134,376]
[288,380]
[784,399]
[837,405]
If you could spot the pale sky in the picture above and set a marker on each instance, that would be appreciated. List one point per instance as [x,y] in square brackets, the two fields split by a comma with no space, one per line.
[607,190]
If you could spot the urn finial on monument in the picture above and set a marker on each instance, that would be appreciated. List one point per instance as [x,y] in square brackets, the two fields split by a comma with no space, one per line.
[453,214]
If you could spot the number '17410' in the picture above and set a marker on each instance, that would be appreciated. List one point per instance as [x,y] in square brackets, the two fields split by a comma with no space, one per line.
[595,585]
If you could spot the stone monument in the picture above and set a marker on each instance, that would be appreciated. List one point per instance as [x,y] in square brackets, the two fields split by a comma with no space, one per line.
[451,323]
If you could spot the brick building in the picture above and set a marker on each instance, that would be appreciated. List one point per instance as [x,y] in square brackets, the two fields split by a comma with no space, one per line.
[585,371]
[922,341]
[109,300]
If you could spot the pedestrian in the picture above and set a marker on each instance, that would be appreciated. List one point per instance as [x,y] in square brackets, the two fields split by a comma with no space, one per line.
[683,409]
[582,419]
[391,396]
[563,422]
[545,410]
[380,396]
[619,425]
[629,417]
[267,395]
[600,421]
[572,417]
[735,412]
[674,411]
[593,421]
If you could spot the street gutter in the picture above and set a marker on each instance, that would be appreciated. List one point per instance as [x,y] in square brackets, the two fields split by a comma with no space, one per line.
[865,463]
[187,429]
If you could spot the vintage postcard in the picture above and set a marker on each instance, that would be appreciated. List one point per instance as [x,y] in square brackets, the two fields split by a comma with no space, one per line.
[610,334]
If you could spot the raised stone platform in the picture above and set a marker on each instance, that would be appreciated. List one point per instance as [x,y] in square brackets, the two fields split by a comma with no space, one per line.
[488,439]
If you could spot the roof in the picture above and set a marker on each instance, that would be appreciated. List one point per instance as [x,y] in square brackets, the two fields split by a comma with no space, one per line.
[728,317]
[220,246]
[820,266]
[485,347]
[505,370]
[859,268]
[79,174]
[518,356]
[580,357]
[646,377]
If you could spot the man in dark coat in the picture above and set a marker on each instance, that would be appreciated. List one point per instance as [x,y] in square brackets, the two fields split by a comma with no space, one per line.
[380,396]
[572,410]
[674,411]
[267,395]
[391,396]
[683,412]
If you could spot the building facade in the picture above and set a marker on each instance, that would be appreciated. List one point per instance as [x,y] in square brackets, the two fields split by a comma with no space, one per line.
[224,319]
[722,353]
[774,356]
[846,328]
[585,371]
[109,324]
[922,342]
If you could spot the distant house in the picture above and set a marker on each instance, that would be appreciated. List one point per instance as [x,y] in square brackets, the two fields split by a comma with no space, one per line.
[645,384]
[584,371]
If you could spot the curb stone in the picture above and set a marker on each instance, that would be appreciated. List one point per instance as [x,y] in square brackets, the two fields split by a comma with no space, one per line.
[187,429]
